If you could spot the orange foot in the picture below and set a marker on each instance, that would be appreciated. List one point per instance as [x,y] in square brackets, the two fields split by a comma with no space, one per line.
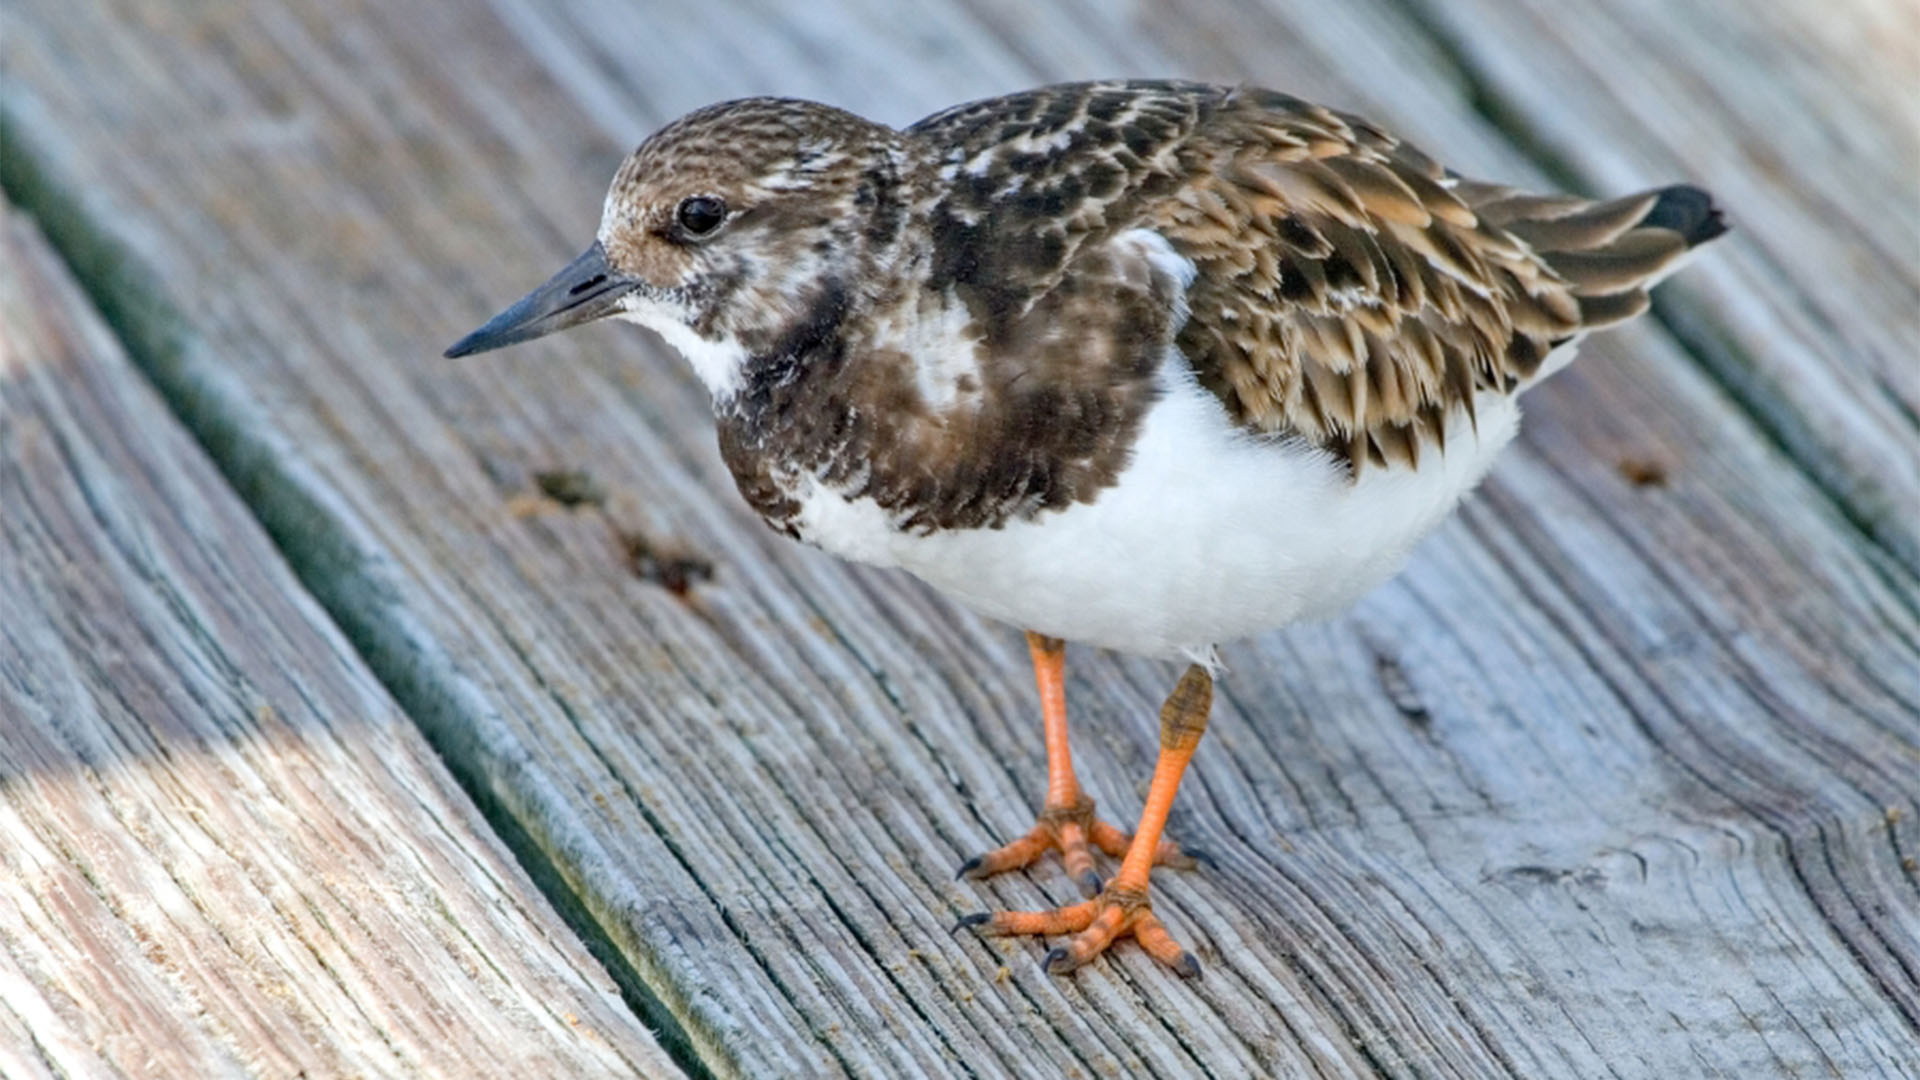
[1070,828]
[1095,924]
[1068,823]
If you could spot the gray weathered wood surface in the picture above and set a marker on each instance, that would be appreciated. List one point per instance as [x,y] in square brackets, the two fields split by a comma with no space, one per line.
[224,850]
[1618,779]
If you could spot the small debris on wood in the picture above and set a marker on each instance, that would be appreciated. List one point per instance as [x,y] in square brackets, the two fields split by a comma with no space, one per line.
[1644,472]
[570,487]
[677,572]
[1399,689]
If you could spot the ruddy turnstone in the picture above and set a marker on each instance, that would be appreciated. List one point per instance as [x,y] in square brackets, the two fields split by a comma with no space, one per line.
[1144,365]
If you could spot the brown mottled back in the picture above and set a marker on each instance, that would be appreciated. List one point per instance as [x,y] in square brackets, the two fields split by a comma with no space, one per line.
[965,321]
[1349,290]
[1352,292]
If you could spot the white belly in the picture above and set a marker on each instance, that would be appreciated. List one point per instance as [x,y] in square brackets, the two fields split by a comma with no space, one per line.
[1208,536]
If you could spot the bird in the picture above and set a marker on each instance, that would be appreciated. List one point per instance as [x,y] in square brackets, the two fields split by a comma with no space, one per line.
[1144,365]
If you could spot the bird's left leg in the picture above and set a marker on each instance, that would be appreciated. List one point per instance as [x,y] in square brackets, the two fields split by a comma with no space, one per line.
[1066,820]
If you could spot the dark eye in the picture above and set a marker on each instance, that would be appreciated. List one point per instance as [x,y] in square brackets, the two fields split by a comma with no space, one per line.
[700,214]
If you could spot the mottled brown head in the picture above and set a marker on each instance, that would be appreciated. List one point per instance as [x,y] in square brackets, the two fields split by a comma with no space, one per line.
[727,229]
[736,219]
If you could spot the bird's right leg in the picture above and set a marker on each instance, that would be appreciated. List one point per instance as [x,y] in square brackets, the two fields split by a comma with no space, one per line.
[1066,821]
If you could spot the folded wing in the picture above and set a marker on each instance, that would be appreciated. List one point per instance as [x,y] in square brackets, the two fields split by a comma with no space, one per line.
[1352,292]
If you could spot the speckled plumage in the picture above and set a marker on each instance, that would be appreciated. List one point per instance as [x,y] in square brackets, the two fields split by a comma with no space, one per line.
[1146,365]
[1346,290]
[966,324]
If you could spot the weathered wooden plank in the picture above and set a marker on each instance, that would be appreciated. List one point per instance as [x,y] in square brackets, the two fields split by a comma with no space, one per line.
[223,849]
[1602,784]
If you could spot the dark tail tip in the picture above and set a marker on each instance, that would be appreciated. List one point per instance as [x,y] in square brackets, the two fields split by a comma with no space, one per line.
[1688,211]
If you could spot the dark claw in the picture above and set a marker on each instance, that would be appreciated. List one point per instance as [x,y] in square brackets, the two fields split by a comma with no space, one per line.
[968,867]
[1051,962]
[1187,967]
[1090,884]
[1201,856]
[967,921]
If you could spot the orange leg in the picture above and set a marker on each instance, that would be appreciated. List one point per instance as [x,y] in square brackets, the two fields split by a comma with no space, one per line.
[1066,821]
[1123,907]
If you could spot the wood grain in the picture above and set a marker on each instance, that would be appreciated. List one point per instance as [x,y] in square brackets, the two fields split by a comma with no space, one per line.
[224,851]
[1617,779]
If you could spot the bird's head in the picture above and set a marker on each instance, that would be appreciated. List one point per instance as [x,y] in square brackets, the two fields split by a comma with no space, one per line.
[727,232]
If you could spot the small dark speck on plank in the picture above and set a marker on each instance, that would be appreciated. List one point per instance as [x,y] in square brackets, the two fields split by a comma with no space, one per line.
[676,571]
[1400,690]
[570,487]
[1644,472]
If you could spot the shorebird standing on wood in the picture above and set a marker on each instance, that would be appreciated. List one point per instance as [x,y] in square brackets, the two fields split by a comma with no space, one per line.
[1149,366]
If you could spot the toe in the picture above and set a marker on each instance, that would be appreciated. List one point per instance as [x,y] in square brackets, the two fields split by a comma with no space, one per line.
[1159,944]
[1095,925]
[1110,839]
[969,921]
[1009,857]
[1100,932]
[1180,858]
[1114,842]
[1077,860]
[1064,920]
[1199,857]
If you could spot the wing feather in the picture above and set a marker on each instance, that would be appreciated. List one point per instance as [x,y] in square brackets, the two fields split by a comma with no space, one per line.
[1353,293]
[1348,290]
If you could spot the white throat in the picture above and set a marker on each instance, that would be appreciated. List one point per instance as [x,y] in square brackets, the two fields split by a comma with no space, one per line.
[719,365]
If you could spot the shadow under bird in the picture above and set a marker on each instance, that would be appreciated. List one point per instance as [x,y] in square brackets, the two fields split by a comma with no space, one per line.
[1145,365]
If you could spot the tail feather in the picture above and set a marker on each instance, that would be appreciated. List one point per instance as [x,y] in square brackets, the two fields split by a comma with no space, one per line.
[1688,211]
[1610,252]
[1634,261]
[1589,226]
[1611,308]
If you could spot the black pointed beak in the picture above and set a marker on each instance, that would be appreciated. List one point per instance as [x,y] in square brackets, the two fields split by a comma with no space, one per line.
[586,290]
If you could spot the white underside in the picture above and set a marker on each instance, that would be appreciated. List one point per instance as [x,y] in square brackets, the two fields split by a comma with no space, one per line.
[1209,535]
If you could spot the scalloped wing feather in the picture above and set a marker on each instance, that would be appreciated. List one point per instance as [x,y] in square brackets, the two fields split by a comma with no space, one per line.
[1348,291]
[1352,292]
